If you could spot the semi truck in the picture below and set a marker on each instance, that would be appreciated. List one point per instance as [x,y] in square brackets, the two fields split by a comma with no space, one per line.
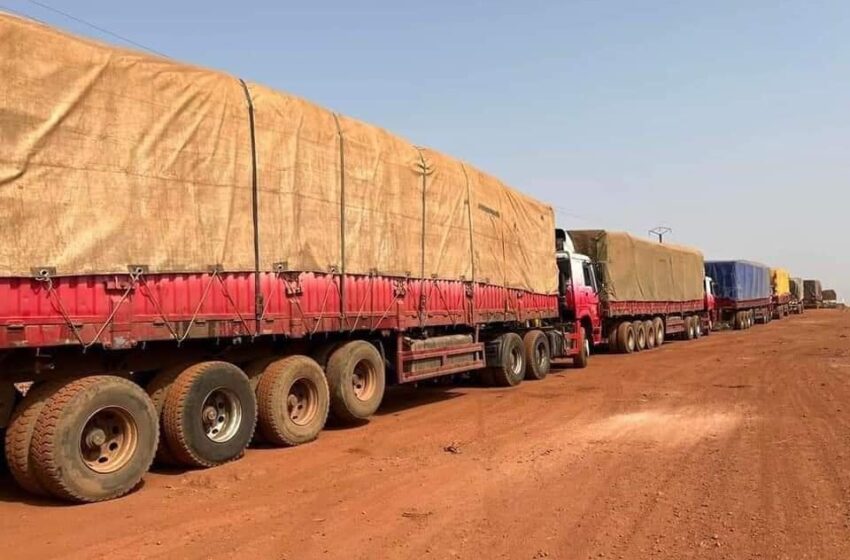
[188,258]
[780,284]
[635,293]
[743,292]
[830,299]
[797,294]
[812,294]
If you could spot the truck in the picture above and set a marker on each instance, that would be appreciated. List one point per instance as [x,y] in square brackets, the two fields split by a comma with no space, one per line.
[189,259]
[795,304]
[743,292]
[780,285]
[830,299]
[631,293]
[812,294]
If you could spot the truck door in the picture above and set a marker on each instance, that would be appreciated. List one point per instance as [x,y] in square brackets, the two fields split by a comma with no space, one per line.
[590,299]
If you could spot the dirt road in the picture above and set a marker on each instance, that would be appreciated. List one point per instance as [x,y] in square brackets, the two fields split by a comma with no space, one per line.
[733,446]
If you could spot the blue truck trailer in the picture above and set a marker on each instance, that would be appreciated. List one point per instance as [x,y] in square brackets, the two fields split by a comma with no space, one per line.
[742,292]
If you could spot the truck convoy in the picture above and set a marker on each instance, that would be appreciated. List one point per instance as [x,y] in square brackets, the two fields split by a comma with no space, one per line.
[742,292]
[647,291]
[812,294]
[189,261]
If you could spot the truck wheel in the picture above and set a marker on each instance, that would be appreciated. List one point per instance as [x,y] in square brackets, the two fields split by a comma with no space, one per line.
[580,360]
[95,439]
[649,329]
[697,326]
[640,336]
[512,359]
[157,390]
[356,378]
[19,434]
[690,331]
[739,321]
[209,414]
[658,323]
[626,337]
[537,356]
[613,341]
[292,401]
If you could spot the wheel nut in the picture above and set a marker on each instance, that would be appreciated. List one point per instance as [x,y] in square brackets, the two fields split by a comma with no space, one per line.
[96,438]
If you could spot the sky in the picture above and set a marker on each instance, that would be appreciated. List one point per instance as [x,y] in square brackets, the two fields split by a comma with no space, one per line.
[727,121]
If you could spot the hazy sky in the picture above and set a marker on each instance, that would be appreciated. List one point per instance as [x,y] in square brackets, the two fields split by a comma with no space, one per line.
[728,121]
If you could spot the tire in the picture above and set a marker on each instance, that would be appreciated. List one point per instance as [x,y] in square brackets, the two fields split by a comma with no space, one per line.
[739,321]
[356,379]
[95,439]
[511,370]
[157,390]
[581,359]
[538,358]
[697,321]
[613,341]
[209,415]
[690,332]
[293,401]
[322,353]
[626,338]
[660,333]
[640,336]
[649,329]
[19,433]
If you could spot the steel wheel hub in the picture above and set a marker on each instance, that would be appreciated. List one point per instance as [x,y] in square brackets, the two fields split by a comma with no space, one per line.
[363,381]
[302,403]
[109,439]
[221,415]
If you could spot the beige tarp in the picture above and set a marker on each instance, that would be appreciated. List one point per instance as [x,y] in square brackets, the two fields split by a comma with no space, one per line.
[110,158]
[636,269]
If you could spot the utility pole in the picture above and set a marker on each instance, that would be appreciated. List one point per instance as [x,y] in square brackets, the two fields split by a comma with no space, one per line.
[660,231]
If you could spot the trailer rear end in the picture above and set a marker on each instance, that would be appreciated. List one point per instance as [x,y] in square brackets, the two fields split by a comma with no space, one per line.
[780,283]
[812,294]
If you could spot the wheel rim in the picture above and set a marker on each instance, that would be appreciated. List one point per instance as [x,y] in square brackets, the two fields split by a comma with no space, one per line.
[364,380]
[586,347]
[630,341]
[516,361]
[109,439]
[302,402]
[541,357]
[221,415]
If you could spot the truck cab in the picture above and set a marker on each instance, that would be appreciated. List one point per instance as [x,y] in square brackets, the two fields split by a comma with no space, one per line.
[578,287]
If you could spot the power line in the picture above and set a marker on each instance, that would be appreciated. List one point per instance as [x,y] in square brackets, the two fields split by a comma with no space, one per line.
[97,27]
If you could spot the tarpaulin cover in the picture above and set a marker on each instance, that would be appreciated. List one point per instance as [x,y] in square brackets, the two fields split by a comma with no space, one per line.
[797,288]
[111,158]
[829,295]
[739,280]
[641,270]
[812,290]
[780,281]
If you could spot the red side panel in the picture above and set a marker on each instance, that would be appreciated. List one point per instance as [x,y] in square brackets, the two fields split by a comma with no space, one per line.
[620,308]
[121,311]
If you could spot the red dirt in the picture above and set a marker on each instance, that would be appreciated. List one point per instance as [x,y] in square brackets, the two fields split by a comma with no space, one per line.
[732,446]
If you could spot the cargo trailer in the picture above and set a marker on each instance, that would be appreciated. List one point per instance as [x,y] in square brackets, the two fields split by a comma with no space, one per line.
[780,284]
[830,299]
[643,292]
[796,302]
[742,292]
[812,294]
[187,256]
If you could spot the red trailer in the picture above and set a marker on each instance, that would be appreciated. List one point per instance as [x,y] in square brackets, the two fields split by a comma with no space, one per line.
[190,255]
